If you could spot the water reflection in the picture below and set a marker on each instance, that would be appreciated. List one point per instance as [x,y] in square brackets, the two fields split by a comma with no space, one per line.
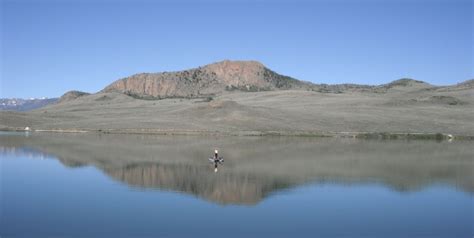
[256,166]
[216,160]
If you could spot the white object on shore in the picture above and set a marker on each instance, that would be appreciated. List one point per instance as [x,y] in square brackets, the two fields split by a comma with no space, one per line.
[27,128]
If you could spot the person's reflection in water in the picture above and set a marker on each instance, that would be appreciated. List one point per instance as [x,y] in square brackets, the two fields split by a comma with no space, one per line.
[216,160]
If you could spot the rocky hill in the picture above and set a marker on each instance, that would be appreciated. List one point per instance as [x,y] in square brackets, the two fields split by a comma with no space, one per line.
[246,98]
[204,81]
[71,95]
[245,76]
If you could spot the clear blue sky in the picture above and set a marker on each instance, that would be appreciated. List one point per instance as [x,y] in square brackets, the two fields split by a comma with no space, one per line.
[49,47]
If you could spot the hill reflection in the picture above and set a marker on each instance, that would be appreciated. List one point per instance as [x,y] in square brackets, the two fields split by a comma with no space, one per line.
[256,166]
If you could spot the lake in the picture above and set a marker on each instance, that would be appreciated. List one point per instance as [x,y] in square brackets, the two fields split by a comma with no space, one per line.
[102,185]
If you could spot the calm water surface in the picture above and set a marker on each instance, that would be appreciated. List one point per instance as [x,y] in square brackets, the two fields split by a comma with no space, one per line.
[55,185]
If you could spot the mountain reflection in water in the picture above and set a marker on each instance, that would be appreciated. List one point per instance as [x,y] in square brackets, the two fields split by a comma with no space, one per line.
[255,166]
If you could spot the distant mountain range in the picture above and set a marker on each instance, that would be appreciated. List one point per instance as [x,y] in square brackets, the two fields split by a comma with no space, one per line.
[19,104]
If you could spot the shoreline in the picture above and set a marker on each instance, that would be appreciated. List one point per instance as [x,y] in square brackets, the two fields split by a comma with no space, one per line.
[357,135]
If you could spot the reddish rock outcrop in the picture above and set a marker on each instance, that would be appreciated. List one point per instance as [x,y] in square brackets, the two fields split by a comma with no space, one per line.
[207,80]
